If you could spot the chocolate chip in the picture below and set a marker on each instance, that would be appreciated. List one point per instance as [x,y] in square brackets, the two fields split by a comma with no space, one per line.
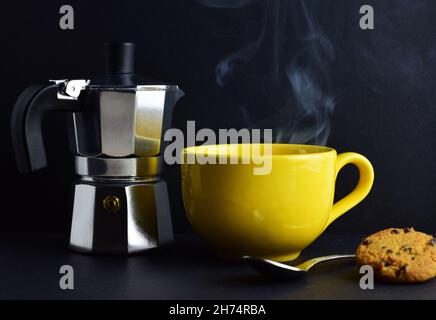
[413,258]
[432,242]
[400,271]
[387,264]
[407,248]
[407,230]
[389,251]
[366,242]
[395,231]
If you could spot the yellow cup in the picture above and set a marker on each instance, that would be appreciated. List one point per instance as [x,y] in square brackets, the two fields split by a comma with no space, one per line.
[273,216]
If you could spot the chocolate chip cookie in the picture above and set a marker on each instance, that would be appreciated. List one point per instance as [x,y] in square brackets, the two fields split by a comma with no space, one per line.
[399,255]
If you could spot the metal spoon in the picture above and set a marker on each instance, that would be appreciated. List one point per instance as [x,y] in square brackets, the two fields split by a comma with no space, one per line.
[283,270]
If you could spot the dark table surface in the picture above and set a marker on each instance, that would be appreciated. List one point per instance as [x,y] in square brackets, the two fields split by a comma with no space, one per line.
[29,269]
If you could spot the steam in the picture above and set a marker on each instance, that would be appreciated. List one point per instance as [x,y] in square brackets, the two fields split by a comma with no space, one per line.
[224,70]
[286,66]
[308,70]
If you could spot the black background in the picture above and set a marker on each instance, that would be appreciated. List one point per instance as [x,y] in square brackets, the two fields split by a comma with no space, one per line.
[383,82]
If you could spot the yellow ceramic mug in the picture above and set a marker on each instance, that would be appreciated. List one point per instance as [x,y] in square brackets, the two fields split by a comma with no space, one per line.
[273,216]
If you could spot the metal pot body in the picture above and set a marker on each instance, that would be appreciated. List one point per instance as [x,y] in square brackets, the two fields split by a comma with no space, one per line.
[124,123]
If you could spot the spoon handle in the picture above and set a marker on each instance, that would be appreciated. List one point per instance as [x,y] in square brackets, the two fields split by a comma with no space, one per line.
[310,263]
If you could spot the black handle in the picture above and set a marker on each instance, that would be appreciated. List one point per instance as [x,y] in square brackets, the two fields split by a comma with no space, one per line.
[26,124]
[120,57]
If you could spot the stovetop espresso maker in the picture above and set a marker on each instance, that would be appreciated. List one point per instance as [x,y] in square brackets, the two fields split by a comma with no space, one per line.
[118,121]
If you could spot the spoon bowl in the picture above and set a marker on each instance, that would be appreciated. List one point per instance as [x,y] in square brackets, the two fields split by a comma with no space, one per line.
[283,270]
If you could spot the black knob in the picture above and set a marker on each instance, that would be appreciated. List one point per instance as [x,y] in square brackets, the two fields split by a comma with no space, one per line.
[120,57]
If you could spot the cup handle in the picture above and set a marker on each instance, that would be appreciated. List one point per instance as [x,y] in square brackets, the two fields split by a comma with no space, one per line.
[363,187]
